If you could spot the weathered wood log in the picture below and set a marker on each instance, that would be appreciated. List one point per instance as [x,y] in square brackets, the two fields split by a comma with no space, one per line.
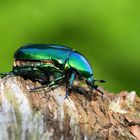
[45,114]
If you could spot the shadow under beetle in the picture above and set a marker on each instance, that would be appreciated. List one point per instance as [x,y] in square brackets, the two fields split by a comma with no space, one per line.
[49,64]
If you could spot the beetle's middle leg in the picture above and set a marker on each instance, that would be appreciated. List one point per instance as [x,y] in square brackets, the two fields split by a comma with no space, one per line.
[55,81]
[51,84]
[70,77]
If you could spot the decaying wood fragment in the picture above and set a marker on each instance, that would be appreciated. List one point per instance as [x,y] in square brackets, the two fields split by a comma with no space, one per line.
[45,114]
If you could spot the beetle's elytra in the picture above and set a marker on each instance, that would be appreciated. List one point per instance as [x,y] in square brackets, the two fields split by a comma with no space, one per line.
[40,62]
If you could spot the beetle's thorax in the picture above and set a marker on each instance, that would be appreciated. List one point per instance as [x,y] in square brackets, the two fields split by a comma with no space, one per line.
[79,63]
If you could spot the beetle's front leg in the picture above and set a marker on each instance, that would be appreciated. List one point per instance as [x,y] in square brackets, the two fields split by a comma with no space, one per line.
[70,77]
[95,87]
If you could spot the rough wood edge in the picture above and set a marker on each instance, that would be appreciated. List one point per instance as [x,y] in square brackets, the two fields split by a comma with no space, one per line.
[44,114]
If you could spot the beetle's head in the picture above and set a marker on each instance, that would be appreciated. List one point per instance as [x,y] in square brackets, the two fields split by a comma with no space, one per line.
[91,83]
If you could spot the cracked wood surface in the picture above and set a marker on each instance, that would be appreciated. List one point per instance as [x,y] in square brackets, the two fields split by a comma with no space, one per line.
[85,115]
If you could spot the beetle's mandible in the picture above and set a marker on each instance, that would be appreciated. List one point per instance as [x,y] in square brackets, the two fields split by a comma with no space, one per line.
[39,62]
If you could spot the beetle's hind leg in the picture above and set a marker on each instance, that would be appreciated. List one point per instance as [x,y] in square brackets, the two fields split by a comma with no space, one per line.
[15,71]
[6,74]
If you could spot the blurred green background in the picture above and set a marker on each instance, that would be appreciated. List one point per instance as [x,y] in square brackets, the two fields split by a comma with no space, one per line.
[106,32]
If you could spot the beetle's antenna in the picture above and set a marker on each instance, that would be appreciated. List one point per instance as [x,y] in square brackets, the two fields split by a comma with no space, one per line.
[101,81]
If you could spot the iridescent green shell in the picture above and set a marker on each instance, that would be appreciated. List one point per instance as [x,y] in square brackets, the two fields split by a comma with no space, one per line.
[43,52]
[60,55]
[80,63]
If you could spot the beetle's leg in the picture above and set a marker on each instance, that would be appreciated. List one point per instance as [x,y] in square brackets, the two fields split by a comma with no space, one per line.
[55,80]
[51,84]
[15,71]
[99,91]
[5,74]
[95,87]
[69,82]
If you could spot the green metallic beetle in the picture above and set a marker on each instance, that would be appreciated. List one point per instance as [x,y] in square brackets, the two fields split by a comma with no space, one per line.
[39,62]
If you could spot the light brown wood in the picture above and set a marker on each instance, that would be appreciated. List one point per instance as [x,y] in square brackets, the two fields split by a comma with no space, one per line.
[85,115]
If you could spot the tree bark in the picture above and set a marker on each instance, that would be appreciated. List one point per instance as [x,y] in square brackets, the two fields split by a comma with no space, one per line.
[85,115]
